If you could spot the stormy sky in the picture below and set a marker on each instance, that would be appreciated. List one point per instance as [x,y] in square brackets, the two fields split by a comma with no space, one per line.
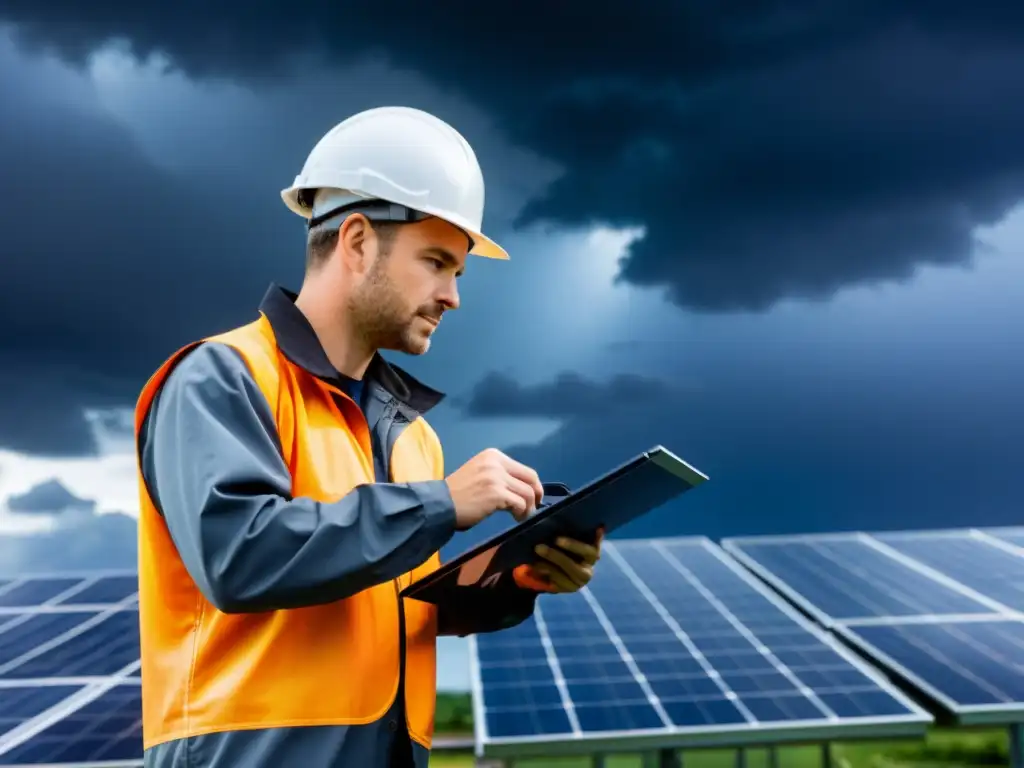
[784,240]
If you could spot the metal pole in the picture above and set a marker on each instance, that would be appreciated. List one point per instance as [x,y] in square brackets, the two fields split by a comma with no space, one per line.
[598,761]
[773,758]
[1017,745]
[826,755]
[667,758]
[741,758]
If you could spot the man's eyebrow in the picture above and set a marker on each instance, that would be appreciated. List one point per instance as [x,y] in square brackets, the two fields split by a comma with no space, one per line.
[446,256]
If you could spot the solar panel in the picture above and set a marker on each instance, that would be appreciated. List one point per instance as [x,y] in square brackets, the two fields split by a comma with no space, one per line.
[106,728]
[102,645]
[672,644]
[974,669]
[970,663]
[31,592]
[20,703]
[982,563]
[855,576]
[68,670]
[106,590]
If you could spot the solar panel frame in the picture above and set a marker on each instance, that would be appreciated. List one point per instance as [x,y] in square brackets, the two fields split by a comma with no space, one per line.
[912,724]
[1007,713]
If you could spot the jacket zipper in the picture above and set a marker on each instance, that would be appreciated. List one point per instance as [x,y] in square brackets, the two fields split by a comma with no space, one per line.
[381,442]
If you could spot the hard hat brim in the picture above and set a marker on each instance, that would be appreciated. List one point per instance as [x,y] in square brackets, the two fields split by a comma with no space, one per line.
[486,248]
[483,246]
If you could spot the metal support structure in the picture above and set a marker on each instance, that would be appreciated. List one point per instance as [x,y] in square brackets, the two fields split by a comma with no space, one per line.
[826,755]
[663,758]
[1017,745]
[773,758]
[598,761]
[741,758]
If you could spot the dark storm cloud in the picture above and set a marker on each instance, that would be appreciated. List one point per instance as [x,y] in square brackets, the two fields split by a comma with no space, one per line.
[568,395]
[109,262]
[48,497]
[771,150]
[812,447]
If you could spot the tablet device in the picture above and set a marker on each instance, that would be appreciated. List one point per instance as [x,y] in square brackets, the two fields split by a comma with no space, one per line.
[643,483]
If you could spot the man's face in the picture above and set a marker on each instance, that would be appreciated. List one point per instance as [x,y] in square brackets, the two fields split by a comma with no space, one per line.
[405,292]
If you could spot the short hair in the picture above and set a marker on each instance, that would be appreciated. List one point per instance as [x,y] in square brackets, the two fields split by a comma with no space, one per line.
[322,240]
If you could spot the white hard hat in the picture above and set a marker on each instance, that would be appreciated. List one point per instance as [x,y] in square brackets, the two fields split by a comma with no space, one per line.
[398,155]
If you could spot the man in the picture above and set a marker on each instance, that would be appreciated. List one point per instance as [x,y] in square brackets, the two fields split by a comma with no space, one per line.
[291,488]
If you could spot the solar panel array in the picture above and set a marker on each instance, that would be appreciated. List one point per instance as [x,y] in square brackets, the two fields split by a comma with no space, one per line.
[944,610]
[673,643]
[676,642]
[69,660]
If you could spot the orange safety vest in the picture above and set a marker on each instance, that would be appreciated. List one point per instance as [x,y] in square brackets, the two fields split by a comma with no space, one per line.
[204,671]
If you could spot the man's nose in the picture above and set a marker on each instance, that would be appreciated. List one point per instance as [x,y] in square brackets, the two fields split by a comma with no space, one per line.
[450,296]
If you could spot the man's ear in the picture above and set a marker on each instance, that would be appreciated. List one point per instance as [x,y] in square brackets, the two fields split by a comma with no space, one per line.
[356,243]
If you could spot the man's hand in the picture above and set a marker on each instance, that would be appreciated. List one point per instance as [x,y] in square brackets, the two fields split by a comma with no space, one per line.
[567,567]
[491,481]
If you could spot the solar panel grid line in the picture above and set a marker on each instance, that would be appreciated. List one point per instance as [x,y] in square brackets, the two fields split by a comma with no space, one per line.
[32,610]
[42,682]
[932,618]
[995,541]
[754,640]
[71,591]
[83,626]
[817,631]
[734,548]
[63,709]
[792,538]
[556,669]
[1010,534]
[936,575]
[681,635]
[99,573]
[627,657]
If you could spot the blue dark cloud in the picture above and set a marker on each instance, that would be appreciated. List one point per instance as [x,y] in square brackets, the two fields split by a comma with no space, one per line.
[770,150]
[570,394]
[892,434]
[83,540]
[47,497]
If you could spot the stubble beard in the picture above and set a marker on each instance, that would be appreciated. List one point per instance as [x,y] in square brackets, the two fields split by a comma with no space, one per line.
[383,319]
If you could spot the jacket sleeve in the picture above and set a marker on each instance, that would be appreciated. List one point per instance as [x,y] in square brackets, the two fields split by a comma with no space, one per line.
[211,460]
[475,610]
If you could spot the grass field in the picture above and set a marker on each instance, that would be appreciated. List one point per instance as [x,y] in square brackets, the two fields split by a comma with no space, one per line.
[941,749]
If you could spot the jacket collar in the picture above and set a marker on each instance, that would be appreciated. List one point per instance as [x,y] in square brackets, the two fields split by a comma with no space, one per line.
[299,343]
